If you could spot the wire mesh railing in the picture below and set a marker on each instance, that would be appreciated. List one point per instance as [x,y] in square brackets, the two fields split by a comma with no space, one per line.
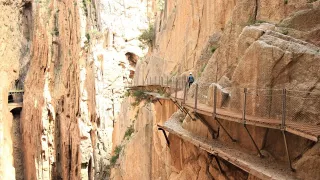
[274,105]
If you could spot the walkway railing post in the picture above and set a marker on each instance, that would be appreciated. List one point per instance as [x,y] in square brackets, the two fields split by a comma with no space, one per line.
[244,121]
[244,105]
[161,81]
[155,80]
[196,98]
[167,81]
[283,123]
[176,91]
[185,93]
[214,101]
[182,83]
[283,126]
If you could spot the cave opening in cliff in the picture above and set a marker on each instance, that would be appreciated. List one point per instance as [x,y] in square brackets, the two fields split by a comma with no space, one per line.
[132,59]
[10,98]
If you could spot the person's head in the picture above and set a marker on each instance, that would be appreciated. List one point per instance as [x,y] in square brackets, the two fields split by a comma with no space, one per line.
[190,73]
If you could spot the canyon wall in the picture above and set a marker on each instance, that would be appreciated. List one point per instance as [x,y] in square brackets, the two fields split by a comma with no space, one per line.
[236,44]
[73,60]
[13,50]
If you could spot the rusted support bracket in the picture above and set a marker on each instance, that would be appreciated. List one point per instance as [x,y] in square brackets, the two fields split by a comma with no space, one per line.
[159,101]
[233,140]
[179,106]
[211,130]
[219,165]
[287,150]
[184,110]
[254,143]
[165,135]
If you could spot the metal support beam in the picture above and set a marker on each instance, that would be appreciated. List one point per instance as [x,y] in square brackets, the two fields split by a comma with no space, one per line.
[244,106]
[211,130]
[182,109]
[225,130]
[162,81]
[215,101]
[159,101]
[219,165]
[284,104]
[185,93]
[176,91]
[196,98]
[165,135]
[287,150]
[178,105]
[254,143]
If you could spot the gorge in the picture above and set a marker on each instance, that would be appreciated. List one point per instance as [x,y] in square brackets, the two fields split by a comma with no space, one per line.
[97,89]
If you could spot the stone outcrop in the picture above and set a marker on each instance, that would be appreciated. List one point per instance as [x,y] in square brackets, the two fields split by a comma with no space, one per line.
[12,51]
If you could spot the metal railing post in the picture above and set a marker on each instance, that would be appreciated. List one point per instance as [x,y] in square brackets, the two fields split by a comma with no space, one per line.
[176,91]
[167,81]
[184,93]
[284,94]
[161,81]
[244,106]
[214,101]
[196,99]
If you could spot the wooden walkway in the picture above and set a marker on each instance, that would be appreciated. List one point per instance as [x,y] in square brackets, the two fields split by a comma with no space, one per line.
[308,131]
[12,106]
[263,168]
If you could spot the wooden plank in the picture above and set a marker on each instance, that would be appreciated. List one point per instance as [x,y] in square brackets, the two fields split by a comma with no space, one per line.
[262,168]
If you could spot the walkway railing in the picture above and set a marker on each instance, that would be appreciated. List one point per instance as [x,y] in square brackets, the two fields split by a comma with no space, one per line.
[15,96]
[272,108]
[292,111]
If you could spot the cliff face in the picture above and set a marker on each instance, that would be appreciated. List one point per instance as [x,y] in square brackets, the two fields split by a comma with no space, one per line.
[74,60]
[51,111]
[12,51]
[255,44]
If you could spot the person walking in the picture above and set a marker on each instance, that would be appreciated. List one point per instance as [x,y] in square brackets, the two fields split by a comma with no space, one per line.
[190,79]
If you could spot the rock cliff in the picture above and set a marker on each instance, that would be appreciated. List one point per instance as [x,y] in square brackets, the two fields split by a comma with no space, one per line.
[73,61]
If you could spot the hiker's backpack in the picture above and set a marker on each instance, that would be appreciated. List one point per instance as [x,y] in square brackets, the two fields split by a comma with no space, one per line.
[191,79]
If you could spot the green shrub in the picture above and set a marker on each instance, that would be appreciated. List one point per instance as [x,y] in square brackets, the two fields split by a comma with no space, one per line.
[127,93]
[285,1]
[88,37]
[213,49]
[285,32]
[136,116]
[116,155]
[128,132]
[148,36]
[84,7]
[139,96]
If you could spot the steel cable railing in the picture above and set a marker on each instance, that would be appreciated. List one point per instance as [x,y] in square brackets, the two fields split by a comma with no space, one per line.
[279,105]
